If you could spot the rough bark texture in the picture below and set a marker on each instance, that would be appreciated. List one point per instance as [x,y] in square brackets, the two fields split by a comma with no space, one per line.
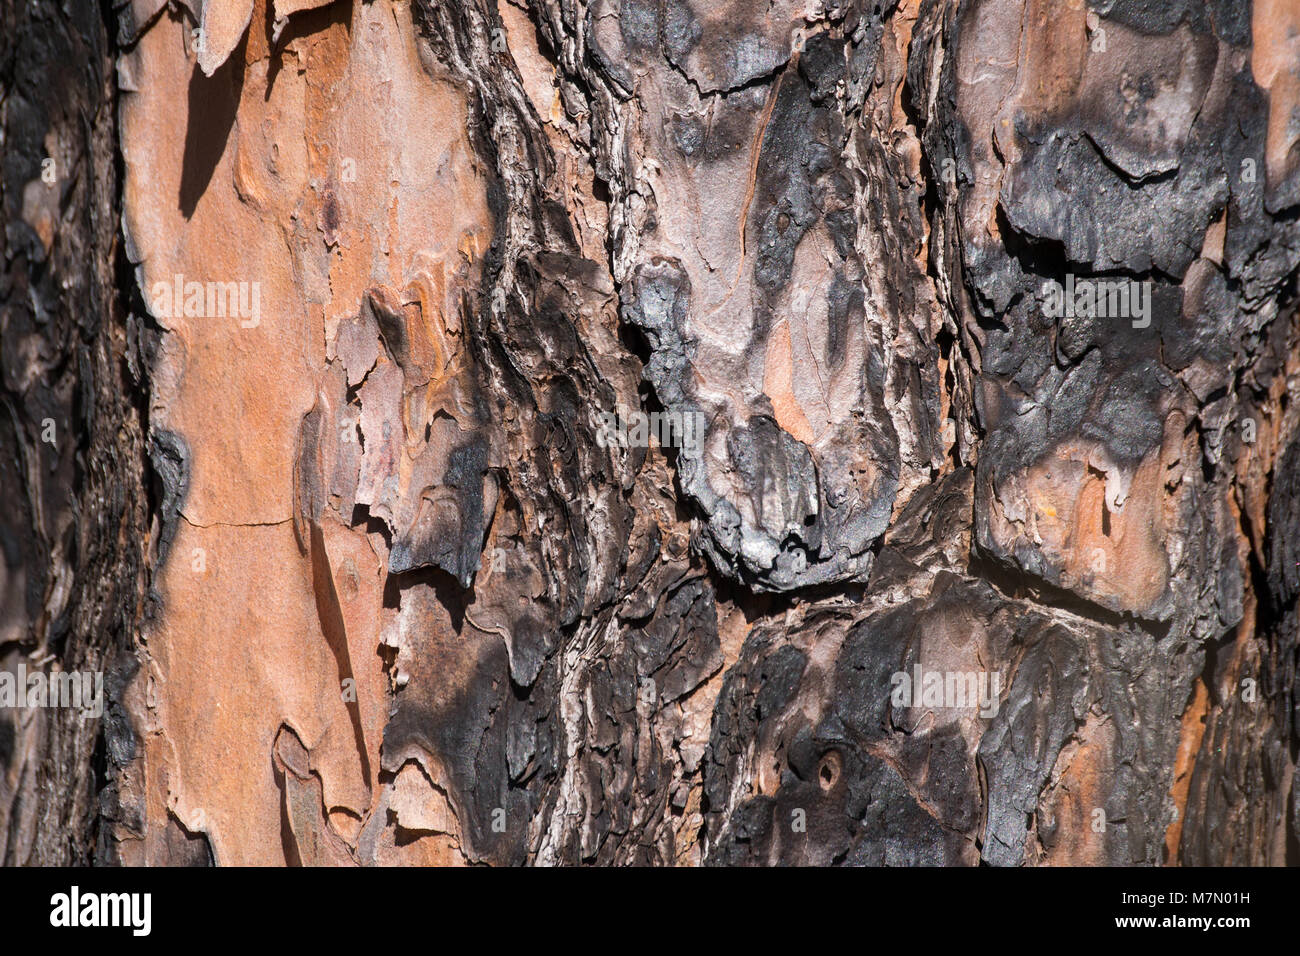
[326,301]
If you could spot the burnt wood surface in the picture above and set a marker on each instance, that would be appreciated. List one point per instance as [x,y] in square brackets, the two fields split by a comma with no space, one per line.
[986,310]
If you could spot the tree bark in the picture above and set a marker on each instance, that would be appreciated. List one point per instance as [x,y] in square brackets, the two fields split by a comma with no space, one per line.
[339,341]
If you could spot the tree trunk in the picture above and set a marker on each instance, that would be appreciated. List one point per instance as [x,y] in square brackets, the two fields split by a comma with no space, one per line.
[651,431]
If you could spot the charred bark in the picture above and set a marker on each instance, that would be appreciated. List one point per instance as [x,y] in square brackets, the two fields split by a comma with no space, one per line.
[73,457]
[972,537]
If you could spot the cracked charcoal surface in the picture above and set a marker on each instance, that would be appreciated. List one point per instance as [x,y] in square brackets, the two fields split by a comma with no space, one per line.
[371,556]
